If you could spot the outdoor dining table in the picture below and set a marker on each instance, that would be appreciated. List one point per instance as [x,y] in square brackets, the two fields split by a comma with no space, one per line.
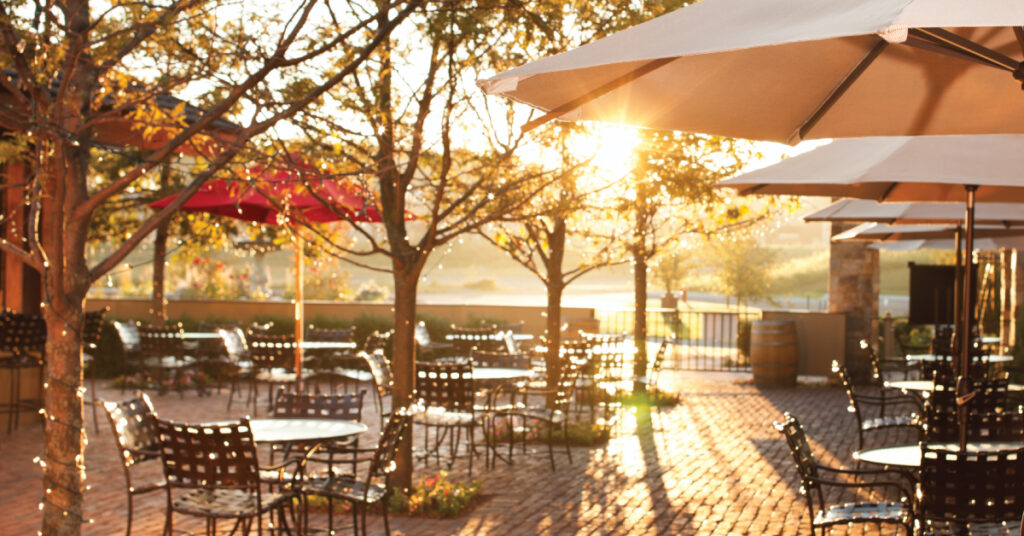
[929,385]
[991,358]
[500,374]
[303,430]
[909,456]
[518,337]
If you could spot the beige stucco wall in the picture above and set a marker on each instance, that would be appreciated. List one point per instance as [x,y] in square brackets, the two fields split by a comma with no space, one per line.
[243,311]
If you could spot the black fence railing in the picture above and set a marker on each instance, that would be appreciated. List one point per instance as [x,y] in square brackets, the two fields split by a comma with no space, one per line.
[704,339]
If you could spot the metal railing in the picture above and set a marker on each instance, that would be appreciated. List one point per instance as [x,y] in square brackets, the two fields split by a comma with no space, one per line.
[704,340]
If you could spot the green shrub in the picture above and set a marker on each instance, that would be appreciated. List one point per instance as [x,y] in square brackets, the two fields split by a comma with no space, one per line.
[650,398]
[581,434]
[434,496]
[743,337]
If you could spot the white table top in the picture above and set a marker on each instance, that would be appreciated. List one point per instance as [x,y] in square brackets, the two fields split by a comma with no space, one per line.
[928,385]
[910,455]
[498,337]
[303,430]
[327,345]
[992,358]
[196,335]
[497,373]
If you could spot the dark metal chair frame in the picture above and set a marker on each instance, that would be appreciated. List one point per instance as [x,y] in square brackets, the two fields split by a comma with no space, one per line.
[962,488]
[270,352]
[22,346]
[464,339]
[447,393]
[426,346]
[555,415]
[813,480]
[236,350]
[858,401]
[486,358]
[133,423]
[216,469]
[92,327]
[328,364]
[162,350]
[376,486]
[383,379]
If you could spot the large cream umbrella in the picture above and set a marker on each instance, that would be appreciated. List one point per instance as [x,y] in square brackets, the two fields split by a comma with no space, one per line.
[871,232]
[788,70]
[1008,215]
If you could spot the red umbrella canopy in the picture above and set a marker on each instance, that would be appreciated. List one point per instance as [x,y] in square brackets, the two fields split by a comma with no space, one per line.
[278,196]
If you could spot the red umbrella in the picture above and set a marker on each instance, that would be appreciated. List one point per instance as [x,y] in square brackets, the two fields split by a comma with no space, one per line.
[296,195]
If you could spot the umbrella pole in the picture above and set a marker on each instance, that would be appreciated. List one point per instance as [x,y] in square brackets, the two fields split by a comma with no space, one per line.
[957,290]
[299,320]
[963,394]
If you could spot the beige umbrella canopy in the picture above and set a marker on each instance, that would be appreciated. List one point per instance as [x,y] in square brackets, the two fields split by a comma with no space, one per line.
[870,232]
[787,70]
[860,210]
[1016,242]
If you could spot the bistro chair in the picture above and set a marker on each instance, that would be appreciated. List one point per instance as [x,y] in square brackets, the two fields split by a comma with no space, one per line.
[22,346]
[133,422]
[554,416]
[859,403]
[814,477]
[92,326]
[426,347]
[650,380]
[464,339]
[337,406]
[128,335]
[326,364]
[236,349]
[881,366]
[490,359]
[212,472]
[273,363]
[383,378]
[375,488]
[973,493]
[162,351]
[447,394]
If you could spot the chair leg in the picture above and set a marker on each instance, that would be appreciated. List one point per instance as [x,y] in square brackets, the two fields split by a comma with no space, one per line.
[551,448]
[565,439]
[92,388]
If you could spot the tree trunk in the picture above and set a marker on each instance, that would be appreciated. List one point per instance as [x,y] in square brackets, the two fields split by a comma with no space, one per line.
[555,287]
[639,316]
[159,306]
[403,362]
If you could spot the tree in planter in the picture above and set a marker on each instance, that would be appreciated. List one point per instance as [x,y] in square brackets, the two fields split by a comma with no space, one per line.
[67,93]
[538,236]
[428,146]
[670,194]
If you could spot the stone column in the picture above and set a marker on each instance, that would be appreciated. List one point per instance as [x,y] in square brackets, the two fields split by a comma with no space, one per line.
[853,289]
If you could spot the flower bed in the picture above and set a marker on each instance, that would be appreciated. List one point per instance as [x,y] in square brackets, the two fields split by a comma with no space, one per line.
[435,496]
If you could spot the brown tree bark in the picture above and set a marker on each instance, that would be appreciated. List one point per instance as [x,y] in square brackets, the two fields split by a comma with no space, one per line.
[640,316]
[159,305]
[403,360]
[555,284]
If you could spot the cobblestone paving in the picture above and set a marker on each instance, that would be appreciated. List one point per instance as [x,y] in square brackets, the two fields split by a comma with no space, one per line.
[712,465]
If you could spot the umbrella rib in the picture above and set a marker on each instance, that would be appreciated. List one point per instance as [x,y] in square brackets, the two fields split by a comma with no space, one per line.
[597,92]
[1018,31]
[965,47]
[841,89]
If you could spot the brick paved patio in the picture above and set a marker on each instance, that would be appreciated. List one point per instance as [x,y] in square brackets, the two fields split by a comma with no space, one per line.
[712,465]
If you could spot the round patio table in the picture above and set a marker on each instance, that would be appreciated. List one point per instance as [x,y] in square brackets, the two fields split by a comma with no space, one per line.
[909,456]
[303,430]
[327,345]
[200,335]
[500,374]
[992,358]
[929,385]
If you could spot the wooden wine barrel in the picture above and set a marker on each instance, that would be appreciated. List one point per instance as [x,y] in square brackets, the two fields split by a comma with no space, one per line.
[773,353]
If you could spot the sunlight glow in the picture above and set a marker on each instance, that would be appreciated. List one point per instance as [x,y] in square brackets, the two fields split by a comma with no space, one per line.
[609,148]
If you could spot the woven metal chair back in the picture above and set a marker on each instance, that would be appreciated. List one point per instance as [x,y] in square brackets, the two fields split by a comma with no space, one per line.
[941,424]
[942,343]
[806,464]
[209,456]
[659,357]
[566,386]
[235,346]
[272,351]
[445,385]
[971,487]
[22,333]
[483,358]
[487,338]
[577,351]
[289,405]
[380,369]
[134,425]
[422,335]
[383,461]
[161,341]
[92,326]
[844,377]
[331,334]
[128,332]
[376,341]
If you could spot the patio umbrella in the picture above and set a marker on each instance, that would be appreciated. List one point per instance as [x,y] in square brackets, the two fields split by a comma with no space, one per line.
[881,232]
[930,168]
[290,196]
[912,244]
[788,70]
[1008,215]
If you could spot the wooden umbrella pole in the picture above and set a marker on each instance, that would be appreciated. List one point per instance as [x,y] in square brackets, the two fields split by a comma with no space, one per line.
[963,396]
[299,320]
